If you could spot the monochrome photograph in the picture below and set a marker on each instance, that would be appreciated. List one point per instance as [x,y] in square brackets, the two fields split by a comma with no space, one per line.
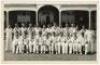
[46,31]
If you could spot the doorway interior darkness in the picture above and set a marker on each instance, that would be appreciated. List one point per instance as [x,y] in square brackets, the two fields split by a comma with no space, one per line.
[78,17]
[21,16]
[48,15]
[93,20]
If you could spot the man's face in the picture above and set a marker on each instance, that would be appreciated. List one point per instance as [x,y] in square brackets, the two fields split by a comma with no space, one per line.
[16,25]
[8,26]
[23,25]
[72,25]
[43,26]
[30,25]
[83,27]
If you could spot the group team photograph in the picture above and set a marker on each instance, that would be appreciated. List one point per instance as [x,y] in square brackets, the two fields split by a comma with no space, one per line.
[50,39]
[50,31]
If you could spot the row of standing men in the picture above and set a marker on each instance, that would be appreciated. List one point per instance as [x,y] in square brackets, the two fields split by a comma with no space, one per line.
[52,39]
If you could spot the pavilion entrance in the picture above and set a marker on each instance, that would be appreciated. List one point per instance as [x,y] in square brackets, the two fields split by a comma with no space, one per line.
[47,15]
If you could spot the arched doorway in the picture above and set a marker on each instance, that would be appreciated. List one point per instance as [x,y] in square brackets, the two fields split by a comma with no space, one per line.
[21,16]
[47,15]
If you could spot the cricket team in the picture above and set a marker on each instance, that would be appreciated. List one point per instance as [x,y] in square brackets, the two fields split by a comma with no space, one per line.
[50,40]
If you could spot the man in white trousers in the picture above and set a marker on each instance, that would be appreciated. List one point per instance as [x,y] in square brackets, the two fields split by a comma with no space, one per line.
[26,44]
[90,38]
[71,44]
[59,44]
[21,44]
[8,44]
[31,43]
[15,44]
[56,45]
[52,44]
[65,46]
[43,46]
[23,29]
[36,43]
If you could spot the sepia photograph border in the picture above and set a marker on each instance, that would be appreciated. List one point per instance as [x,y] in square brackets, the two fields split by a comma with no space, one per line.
[47,62]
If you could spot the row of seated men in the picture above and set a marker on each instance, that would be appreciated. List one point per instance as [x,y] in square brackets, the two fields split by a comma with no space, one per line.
[69,40]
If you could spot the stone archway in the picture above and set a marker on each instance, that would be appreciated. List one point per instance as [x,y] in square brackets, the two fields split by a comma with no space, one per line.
[48,14]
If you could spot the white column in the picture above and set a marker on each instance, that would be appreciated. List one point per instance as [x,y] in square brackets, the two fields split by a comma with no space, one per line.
[90,20]
[59,18]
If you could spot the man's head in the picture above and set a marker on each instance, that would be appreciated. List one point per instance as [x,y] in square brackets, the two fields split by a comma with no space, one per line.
[44,26]
[9,26]
[72,25]
[30,25]
[48,25]
[83,27]
[16,25]
[23,25]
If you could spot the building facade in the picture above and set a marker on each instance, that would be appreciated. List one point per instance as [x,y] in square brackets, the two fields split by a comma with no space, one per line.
[48,13]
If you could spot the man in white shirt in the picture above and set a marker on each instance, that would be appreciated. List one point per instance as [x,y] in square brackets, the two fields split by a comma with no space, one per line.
[30,30]
[16,31]
[23,29]
[66,31]
[72,30]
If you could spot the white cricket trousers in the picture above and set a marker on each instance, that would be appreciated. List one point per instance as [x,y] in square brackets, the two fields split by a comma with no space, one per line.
[70,48]
[65,49]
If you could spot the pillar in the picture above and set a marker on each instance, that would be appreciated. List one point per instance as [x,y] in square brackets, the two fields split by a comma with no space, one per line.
[59,18]
[7,18]
[37,18]
[90,20]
